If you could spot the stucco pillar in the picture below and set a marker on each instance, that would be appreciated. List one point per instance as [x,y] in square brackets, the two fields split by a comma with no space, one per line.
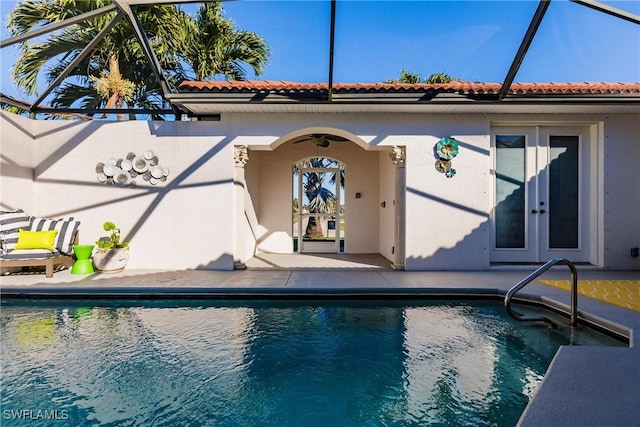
[397,155]
[240,158]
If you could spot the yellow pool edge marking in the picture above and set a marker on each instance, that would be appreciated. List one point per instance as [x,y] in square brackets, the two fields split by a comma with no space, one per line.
[621,293]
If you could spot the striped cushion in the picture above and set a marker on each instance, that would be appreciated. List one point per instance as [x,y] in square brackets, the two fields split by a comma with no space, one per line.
[10,223]
[67,229]
[29,254]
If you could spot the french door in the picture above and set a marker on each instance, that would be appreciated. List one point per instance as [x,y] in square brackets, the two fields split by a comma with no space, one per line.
[541,194]
[318,224]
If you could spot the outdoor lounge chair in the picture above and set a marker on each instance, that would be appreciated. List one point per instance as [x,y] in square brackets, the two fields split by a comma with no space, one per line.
[14,255]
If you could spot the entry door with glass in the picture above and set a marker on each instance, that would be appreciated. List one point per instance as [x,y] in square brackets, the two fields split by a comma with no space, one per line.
[318,223]
[541,194]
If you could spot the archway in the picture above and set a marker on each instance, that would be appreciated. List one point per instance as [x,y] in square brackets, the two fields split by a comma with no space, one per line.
[365,211]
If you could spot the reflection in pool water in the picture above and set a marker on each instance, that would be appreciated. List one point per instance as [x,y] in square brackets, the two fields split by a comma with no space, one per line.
[273,363]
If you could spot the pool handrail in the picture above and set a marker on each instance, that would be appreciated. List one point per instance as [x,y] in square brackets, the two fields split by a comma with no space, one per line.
[530,278]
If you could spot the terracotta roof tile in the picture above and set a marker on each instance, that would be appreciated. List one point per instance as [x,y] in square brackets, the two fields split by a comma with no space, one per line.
[464,88]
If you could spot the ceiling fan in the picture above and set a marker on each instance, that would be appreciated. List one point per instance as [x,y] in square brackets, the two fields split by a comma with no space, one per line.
[321,140]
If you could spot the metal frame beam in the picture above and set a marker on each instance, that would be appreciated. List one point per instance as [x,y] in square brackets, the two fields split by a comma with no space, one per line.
[56,26]
[332,40]
[152,2]
[123,6]
[524,47]
[86,111]
[78,58]
[610,10]
[89,111]
[126,8]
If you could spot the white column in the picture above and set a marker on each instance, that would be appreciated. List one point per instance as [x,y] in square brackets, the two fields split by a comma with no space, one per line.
[397,155]
[240,158]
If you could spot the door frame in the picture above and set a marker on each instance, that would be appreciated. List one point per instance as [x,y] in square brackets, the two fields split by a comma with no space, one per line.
[590,192]
[319,246]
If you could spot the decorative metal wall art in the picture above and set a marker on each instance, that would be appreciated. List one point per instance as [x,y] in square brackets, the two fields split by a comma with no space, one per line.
[121,172]
[445,150]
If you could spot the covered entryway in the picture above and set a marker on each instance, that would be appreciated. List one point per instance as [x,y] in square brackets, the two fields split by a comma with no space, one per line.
[542,189]
[320,191]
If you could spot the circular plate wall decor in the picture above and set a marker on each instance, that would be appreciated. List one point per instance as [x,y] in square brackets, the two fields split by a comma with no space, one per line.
[122,178]
[126,165]
[121,172]
[140,164]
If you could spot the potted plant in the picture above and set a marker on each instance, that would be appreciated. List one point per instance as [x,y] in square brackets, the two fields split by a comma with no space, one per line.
[111,255]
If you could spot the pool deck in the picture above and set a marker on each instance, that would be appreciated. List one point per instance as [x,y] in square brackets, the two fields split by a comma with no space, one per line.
[585,386]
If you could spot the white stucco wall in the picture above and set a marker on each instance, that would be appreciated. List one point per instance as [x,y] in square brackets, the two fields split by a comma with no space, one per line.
[621,150]
[387,196]
[362,214]
[16,170]
[48,169]
[179,224]
[252,230]
[447,227]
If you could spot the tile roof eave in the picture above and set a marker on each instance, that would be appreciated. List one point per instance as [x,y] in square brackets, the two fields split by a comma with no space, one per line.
[388,89]
[402,98]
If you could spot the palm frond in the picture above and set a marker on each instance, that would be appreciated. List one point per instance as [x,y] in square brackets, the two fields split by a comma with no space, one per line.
[216,47]
[77,96]
[321,200]
[208,42]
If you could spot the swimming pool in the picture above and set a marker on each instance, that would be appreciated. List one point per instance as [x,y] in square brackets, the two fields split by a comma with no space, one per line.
[272,363]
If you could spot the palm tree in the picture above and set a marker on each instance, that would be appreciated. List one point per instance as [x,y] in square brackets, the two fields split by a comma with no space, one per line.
[104,78]
[406,77]
[440,78]
[321,199]
[116,73]
[213,46]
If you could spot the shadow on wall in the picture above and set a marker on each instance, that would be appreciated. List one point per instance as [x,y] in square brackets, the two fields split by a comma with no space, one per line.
[11,168]
[10,117]
[473,250]
[467,254]
[177,184]
[157,194]
[65,149]
[183,129]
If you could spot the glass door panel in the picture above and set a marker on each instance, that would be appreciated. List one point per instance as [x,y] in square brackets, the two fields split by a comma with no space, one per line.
[565,225]
[564,184]
[541,197]
[510,216]
[514,195]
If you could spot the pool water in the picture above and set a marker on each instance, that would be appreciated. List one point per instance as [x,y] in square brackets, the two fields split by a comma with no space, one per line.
[271,363]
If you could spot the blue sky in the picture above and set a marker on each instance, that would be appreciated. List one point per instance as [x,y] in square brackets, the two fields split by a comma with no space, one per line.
[470,40]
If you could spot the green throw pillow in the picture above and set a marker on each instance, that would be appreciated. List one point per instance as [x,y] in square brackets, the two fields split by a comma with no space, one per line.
[36,239]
